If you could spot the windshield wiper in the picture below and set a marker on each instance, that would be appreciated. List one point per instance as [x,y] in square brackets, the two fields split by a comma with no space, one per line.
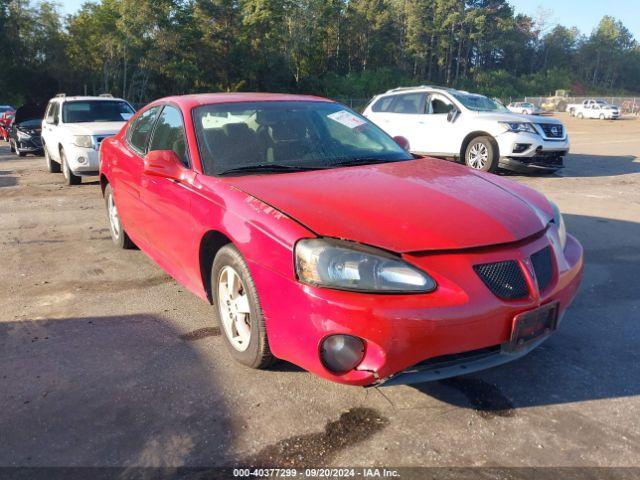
[270,167]
[346,162]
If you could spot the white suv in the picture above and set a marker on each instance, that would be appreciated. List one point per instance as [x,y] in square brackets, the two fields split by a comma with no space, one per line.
[449,123]
[74,127]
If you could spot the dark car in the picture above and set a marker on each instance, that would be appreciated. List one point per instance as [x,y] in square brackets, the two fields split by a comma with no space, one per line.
[26,129]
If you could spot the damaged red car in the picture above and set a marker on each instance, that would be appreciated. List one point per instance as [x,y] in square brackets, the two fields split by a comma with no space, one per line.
[5,124]
[319,240]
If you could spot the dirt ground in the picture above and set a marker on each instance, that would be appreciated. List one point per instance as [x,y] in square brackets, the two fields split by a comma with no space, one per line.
[106,361]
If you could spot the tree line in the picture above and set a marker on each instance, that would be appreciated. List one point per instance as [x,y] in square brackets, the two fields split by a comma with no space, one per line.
[144,49]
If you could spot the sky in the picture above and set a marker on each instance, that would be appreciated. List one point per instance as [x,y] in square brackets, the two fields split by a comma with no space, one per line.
[584,14]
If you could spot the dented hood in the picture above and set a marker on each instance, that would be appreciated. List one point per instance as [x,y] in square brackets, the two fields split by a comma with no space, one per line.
[417,205]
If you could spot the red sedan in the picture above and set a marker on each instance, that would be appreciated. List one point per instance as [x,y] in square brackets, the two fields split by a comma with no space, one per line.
[5,123]
[319,240]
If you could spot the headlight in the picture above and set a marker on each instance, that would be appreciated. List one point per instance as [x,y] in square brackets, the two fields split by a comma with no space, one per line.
[350,266]
[84,141]
[22,135]
[518,127]
[559,221]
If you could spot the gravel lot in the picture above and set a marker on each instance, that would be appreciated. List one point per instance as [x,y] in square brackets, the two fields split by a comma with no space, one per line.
[106,361]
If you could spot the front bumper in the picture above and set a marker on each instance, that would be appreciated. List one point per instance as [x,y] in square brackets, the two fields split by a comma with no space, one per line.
[544,161]
[31,145]
[459,364]
[401,331]
[528,153]
[82,161]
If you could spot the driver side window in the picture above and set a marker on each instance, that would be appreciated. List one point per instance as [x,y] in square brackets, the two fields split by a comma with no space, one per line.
[438,105]
[52,113]
[169,134]
[140,130]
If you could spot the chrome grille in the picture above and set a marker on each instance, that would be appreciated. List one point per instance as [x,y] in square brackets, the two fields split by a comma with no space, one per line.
[552,130]
[98,140]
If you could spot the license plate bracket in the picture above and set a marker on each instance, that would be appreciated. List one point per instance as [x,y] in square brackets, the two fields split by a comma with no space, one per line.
[530,326]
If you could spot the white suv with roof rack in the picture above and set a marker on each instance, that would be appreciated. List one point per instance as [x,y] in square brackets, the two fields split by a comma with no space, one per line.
[74,127]
[449,123]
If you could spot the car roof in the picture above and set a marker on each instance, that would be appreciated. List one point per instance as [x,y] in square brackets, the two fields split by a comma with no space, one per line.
[85,97]
[422,88]
[195,100]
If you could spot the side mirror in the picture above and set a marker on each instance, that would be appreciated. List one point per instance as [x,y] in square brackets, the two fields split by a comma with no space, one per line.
[164,163]
[402,141]
[452,115]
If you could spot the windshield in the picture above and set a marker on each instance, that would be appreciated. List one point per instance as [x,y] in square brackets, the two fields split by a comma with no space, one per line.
[479,103]
[83,111]
[31,123]
[285,136]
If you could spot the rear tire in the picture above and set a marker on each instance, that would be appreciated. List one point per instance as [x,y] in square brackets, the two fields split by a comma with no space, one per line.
[69,176]
[238,310]
[52,166]
[482,154]
[118,233]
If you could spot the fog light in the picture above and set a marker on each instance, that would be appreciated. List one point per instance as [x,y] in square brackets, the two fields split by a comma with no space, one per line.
[82,160]
[520,147]
[340,353]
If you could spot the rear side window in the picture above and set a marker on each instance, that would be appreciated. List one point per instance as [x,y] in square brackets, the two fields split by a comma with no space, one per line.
[169,134]
[383,104]
[140,130]
[411,103]
[408,103]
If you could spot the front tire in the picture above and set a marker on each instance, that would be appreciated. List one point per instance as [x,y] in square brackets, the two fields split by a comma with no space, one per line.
[238,309]
[482,154]
[52,166]
[70,177]
[602,116]
[580,116]
[118,233]
[17,151]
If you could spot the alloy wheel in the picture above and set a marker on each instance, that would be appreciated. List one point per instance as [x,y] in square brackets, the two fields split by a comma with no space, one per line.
[114,220]
[235,311]
[478,155]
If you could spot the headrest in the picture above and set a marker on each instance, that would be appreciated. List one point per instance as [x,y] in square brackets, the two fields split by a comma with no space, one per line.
[236,129]
[269,117]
